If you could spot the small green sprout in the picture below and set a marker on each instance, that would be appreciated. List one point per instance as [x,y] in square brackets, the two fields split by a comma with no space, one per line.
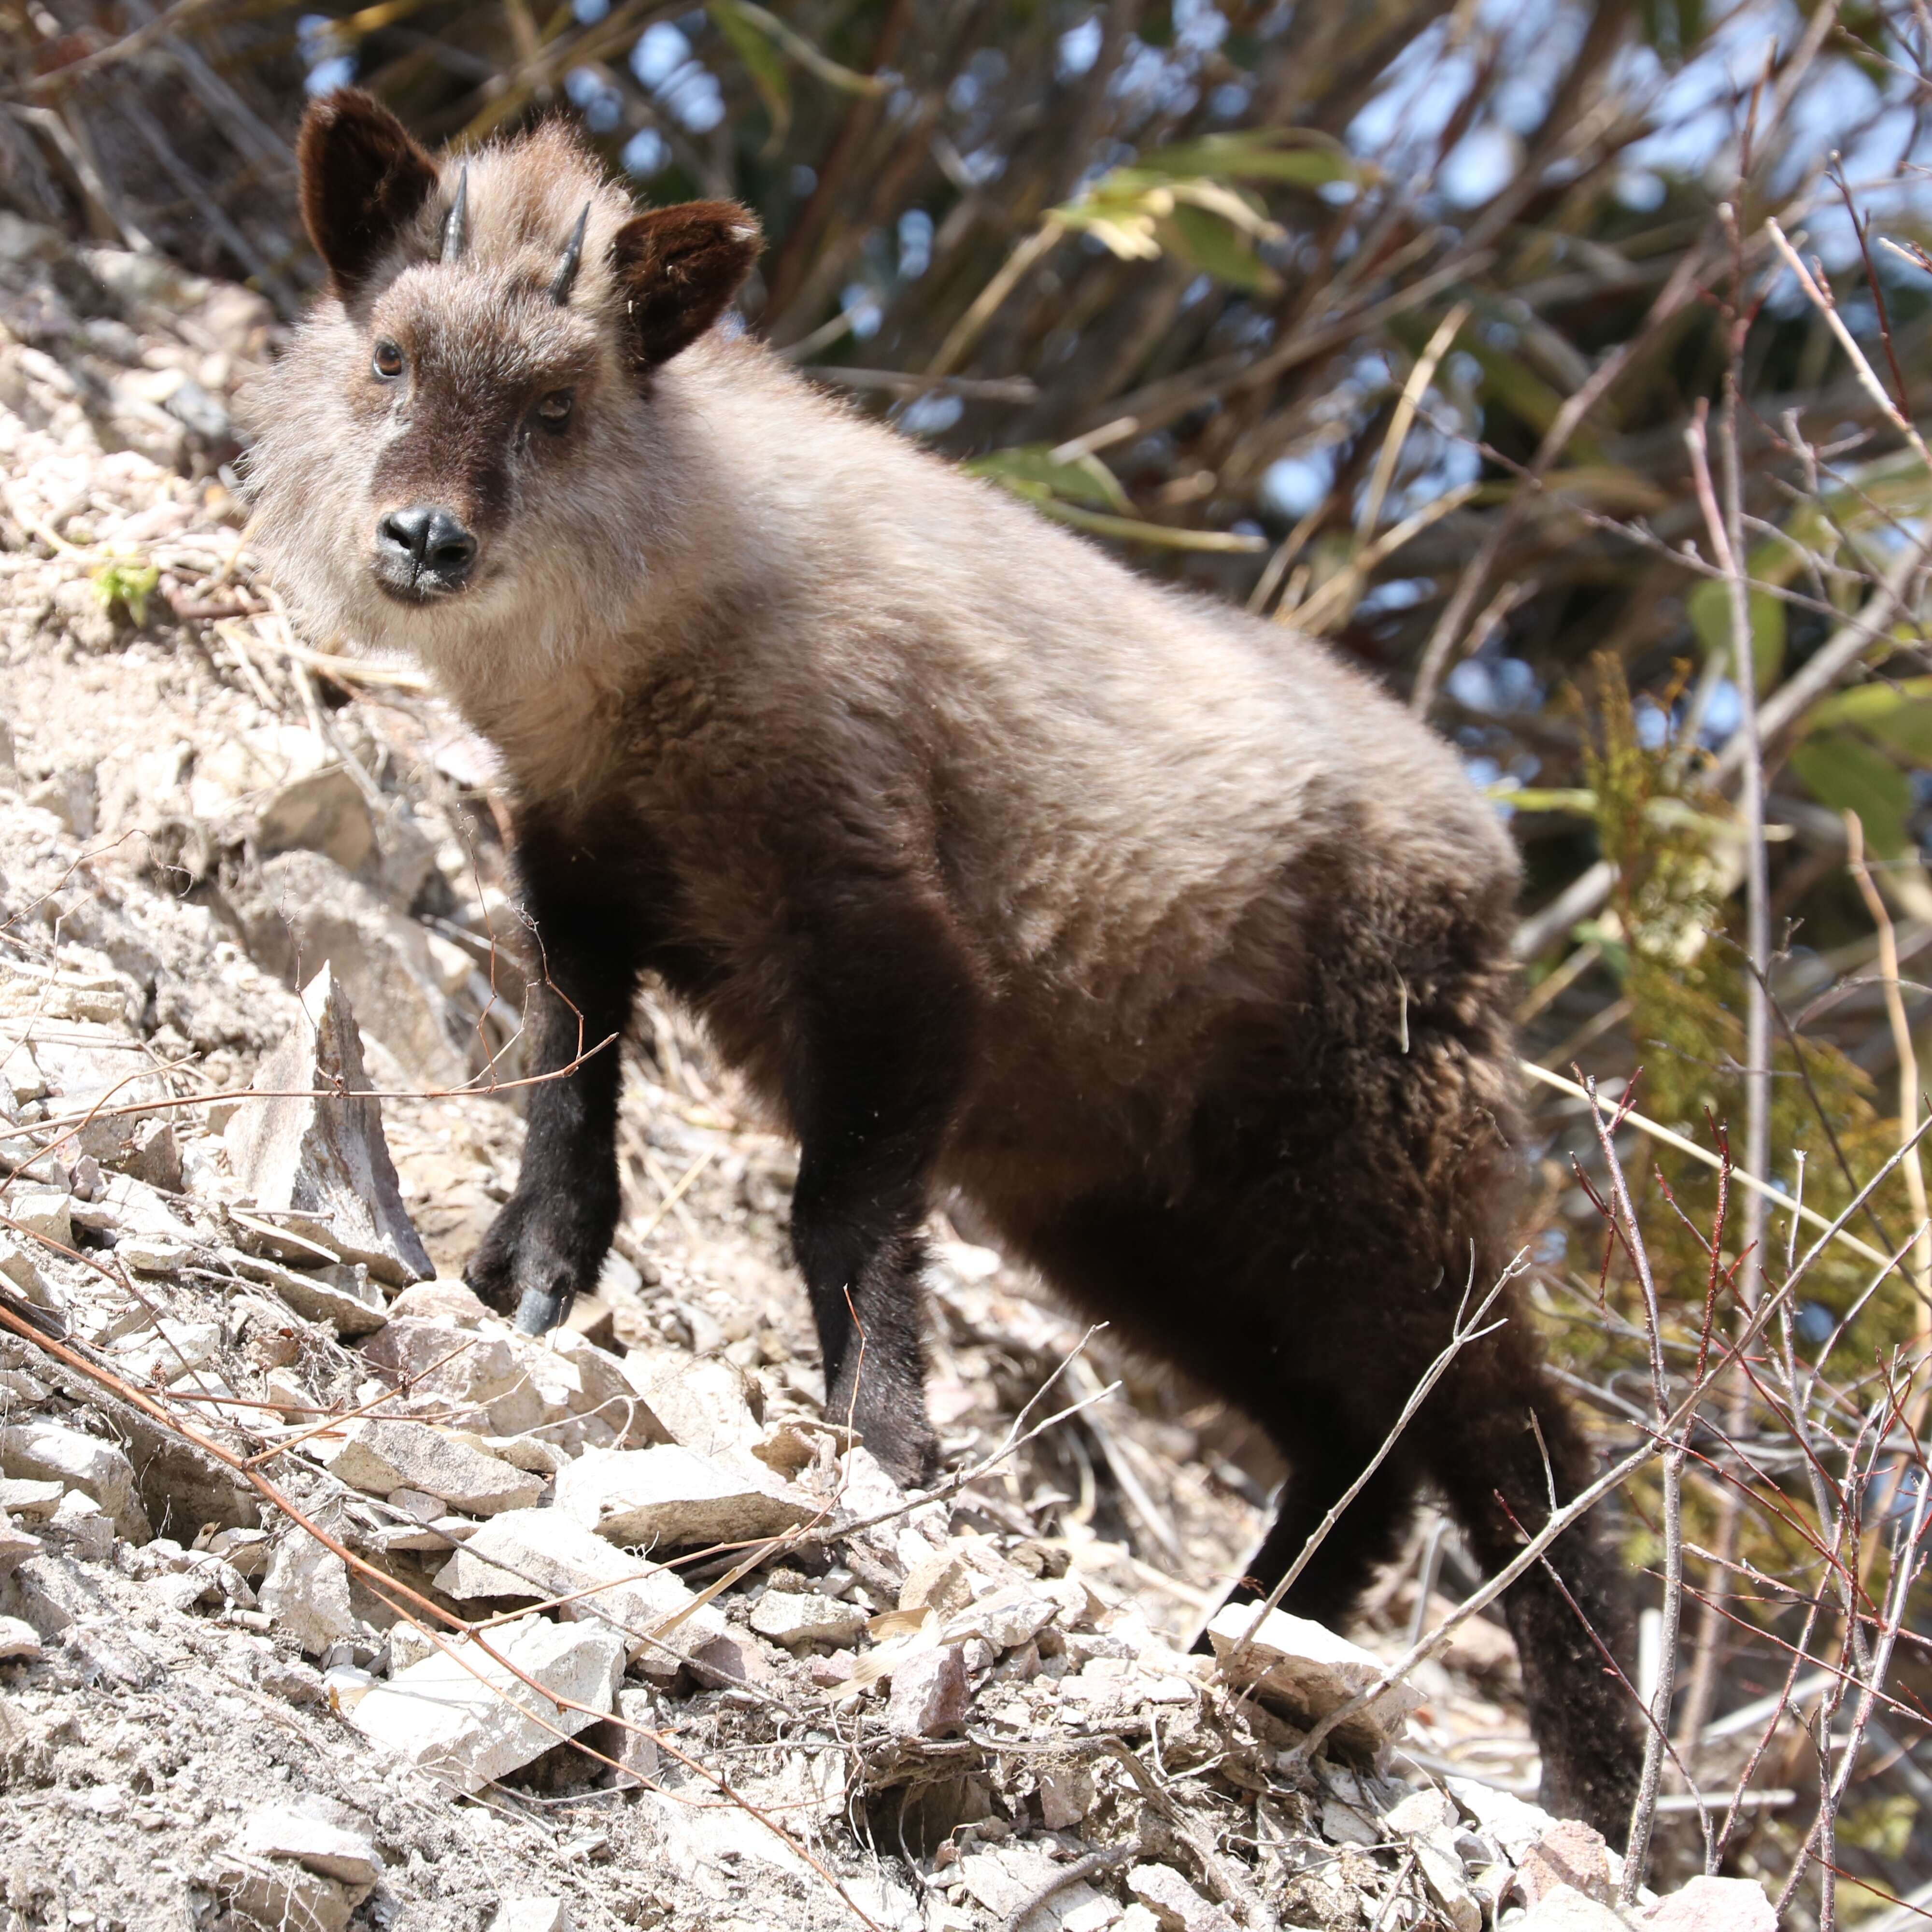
[128,583]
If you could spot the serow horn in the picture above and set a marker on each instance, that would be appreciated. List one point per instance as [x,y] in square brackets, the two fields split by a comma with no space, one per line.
[573,254]
[456,222]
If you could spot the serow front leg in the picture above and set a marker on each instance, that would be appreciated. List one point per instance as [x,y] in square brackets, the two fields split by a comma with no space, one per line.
[548,1241]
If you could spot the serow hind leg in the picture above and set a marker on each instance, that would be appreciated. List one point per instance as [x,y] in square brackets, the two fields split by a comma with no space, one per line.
[1563,1614]
[1324,1457]
[866,1300]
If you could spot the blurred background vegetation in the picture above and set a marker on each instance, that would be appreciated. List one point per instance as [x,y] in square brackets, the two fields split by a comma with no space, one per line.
[1399,322]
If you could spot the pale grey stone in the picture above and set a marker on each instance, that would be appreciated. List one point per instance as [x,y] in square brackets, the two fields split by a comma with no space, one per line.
[1711,1905]
[46,1452]
[300,908]
[667,1495]
[19,1263]
[325,811]
[306,1592]
[377,1455]
[1564,1909]
[521,1914]
[929,1695]
[278,1892]
[1569,1853]
[468,1719]
[17,1544]
[327,1156]
[1174,1904]
[45,1211]
[545,1552]
[314,1834]
[19,1641]
[1308,1671]
[796,1617]
[702,1402]
[351,1310]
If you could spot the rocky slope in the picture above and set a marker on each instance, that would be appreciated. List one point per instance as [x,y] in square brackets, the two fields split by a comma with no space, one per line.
[324,1598]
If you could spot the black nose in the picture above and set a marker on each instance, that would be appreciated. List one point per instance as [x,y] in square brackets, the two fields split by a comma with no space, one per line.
[428,543]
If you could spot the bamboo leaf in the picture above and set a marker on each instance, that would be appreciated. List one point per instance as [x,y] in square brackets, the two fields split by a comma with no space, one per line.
[1207,242]
[1709,606]
[1137,210]
[1125,223]
[1846,774]
[762,62]
[1255,154]
[1899,716]
[751,19]
[1030,470]
[1608,487]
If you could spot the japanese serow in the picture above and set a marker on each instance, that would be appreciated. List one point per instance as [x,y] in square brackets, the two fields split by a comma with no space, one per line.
[1171,944]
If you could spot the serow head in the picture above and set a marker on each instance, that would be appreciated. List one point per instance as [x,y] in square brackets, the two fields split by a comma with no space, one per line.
[489,362]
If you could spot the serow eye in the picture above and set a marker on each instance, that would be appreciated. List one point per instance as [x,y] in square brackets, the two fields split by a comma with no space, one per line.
[387,361]
[553,410]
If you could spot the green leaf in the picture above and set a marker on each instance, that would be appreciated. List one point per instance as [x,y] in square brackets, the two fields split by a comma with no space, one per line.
[1254,155]
[1710,608]
[1673,27]
[1206,242]
[754,19]
[1509,380]
[1848,774]
[1899,716]
[762,62]
[1030,470]
[1876,496]
[129,584]
[1534,799]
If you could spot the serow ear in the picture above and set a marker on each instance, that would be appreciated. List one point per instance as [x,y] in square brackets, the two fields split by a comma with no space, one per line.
[677,268]
[363,176]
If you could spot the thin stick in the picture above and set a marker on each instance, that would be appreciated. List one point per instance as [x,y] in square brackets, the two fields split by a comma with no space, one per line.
[1725,535]
[1776,1196]
[1568,420]
[1327,602]
[1727,552]
[677,1193]
[1643,1814]
[1904,1572]
[1820,299]
[970,326]
[1463,1333]
[1419,378]
[1908,1066]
